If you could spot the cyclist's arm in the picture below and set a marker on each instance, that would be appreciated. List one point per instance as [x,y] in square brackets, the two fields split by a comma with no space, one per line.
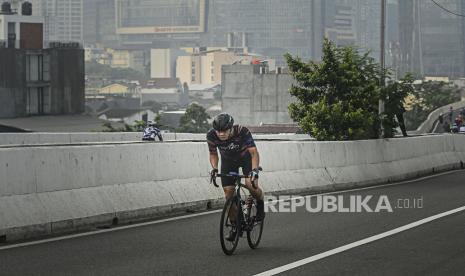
[213,153]
[255,157]
[214,160]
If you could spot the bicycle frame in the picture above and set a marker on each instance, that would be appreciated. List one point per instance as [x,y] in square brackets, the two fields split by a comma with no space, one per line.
[246,221]
[245,216]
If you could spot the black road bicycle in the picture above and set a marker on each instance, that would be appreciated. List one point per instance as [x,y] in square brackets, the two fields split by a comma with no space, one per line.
[239,214]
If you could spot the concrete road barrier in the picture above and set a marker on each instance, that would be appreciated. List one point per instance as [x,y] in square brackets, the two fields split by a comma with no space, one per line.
[41,138]
[55,189]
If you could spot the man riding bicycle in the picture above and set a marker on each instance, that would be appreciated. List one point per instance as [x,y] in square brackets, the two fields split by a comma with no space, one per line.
[237,149]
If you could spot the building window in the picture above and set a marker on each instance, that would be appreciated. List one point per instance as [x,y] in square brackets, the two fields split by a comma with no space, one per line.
[37,68]
[32,68]
[46,68]
[38,101]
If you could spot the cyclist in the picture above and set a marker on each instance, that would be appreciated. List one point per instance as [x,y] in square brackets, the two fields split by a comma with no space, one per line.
[237,149]
[151,131]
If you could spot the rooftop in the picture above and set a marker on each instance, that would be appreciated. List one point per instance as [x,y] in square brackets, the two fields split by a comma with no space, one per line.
[62,123]
[163,83]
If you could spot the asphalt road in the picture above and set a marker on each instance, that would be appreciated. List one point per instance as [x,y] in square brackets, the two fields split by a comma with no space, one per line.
[190,246]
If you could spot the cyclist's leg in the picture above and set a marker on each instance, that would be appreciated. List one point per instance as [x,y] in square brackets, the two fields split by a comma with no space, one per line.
[257,193]
[246,164]
[228,166]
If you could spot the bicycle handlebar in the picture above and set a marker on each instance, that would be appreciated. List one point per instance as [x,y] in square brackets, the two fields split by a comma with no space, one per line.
[213,179]
[229,175]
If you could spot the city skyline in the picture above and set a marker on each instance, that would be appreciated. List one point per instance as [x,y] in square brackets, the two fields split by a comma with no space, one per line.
[420,36]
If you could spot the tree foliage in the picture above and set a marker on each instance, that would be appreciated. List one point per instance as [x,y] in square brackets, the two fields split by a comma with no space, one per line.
[194,120]
[337,98]
[138,126]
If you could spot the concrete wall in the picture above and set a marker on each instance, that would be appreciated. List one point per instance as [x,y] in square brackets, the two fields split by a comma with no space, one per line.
[183,62]
[12,83]
[160,63]
[253,98]
[128,137]
[66,81]
[47,190]
[163,62]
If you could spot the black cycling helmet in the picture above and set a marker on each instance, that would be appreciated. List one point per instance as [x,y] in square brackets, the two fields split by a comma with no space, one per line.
[223,122]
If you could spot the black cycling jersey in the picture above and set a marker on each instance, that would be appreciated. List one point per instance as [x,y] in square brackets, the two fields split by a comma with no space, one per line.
[235,147]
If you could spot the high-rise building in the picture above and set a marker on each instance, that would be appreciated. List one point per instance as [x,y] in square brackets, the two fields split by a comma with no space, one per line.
[160,23]
[267,27]
[35,80]
[368,25]
[99,22]
[340,22]
[432,39]
[354,22]
[63,19]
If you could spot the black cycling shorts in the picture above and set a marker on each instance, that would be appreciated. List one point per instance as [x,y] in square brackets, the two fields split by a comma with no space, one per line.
[228,166]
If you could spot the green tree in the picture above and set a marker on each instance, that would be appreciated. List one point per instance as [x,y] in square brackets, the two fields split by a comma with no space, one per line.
[107,127]
[139,125]
[136,127]
[195,120]
[337,99]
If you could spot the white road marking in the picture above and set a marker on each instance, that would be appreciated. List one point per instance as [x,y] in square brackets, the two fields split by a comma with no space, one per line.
[105,230]
[24,244]
[358,243]
[375,186]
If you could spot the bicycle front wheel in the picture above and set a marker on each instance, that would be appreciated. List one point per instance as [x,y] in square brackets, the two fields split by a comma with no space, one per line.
[230,222]
[255,229]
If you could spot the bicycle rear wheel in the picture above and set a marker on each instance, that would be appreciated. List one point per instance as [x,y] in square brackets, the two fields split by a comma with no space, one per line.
[254,233]
[230,221]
